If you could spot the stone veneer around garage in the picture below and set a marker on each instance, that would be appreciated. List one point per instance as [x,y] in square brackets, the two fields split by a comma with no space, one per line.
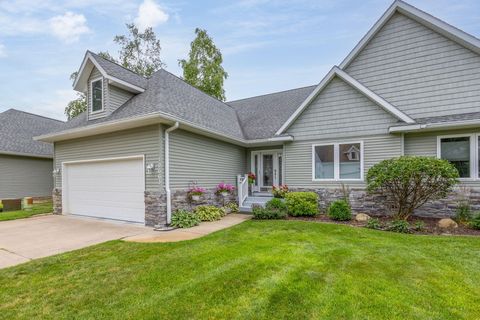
[362,202]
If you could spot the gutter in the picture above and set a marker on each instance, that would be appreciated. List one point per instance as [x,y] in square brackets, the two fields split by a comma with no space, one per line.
[435,126]
[29,155]
[167,170]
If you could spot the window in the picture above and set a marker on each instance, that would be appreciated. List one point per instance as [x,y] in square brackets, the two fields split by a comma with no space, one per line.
[458,150]
[97,95]
[338,161]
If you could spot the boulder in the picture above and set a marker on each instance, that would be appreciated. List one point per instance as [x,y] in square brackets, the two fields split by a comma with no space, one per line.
[362,217]
[447,223]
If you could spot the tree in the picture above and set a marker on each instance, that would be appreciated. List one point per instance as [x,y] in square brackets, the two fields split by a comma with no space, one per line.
[140,52]
[408,182]
[203,69]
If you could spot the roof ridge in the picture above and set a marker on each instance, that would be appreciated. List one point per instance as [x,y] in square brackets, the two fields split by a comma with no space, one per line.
[116,63]
[271,93]
[33,114]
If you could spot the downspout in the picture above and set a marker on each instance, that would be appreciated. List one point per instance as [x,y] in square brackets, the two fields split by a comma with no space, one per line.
[167,171]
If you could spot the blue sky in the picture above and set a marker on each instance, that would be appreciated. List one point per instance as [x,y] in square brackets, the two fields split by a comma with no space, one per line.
[268,46]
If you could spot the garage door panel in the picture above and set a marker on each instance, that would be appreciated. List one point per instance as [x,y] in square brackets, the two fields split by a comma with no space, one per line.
[106,189]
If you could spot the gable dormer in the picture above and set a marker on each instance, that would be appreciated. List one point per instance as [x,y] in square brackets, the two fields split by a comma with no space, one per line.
[106,85]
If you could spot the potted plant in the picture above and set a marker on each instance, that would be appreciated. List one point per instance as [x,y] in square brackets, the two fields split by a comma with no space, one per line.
[280,191]
[195,193]
[251,181]
[225,189]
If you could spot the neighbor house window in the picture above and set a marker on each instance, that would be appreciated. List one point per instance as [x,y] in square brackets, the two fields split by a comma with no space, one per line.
[458,151]
[97,95]
[338,161]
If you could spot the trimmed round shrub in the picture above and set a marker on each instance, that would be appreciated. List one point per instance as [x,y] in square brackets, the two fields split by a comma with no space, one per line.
[261,213]
[209,213]
[184,219]
[340,210]
[276,203]
[302,203]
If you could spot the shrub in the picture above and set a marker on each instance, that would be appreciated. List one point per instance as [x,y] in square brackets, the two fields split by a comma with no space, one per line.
[400,226]
[419,225]
[231,207]
[374,223]
[276,203]
[280,191]
[408,182]
[184,219]
[463,214]
[340,210]
[209,213]
[475,222]
[302,203]
[261,213]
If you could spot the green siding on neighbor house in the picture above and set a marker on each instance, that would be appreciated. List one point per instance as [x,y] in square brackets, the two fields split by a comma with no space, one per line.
[340,111]
[418,70]
[25,177]
[206,161]
[298,158]
[147,141]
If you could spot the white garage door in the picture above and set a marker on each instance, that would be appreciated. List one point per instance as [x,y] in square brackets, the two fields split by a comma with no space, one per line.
[112,189]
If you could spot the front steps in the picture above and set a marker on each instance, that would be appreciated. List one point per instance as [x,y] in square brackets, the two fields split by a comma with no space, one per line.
[256,199]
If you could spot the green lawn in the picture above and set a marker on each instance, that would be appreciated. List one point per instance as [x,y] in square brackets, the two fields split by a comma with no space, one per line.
[256,270]
[38,208]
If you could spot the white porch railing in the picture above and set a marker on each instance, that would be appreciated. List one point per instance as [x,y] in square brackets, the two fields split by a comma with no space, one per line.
[242,188]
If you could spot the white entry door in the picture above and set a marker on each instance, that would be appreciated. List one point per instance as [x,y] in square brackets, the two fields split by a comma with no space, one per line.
[112,189]
[267,166]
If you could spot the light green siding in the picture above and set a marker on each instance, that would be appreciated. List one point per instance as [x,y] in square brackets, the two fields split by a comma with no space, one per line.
[147,141]
[205,161]
[25,177]
[425,144]
[117,97]
[298,158]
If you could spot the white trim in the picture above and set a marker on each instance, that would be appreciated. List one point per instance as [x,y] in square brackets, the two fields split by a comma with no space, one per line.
[335,71]
[167,171]
[91,96]
[421,17]
[259,153]
[473,152]
[336,161]
[64,166]
[435,126]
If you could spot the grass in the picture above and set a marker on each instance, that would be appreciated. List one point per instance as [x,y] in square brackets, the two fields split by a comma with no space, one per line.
[256,270]
[38,208]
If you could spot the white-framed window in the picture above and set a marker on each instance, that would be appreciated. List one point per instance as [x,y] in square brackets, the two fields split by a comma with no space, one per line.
[461,150]
[96,89]
[337,161]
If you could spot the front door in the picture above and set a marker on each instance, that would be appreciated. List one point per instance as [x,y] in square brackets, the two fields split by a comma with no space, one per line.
[267,166]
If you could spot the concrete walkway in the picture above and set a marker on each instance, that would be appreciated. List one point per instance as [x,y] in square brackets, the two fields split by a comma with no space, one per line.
[191,233]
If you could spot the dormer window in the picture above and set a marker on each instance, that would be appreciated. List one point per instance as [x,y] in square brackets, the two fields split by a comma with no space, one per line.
[96,87]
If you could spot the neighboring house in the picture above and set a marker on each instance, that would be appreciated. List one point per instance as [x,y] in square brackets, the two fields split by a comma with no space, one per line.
[410,87]
[25,164]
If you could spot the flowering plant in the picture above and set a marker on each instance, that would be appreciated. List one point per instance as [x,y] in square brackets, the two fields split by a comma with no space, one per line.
[280,191]
[251,178]
[225,188]
[196,191]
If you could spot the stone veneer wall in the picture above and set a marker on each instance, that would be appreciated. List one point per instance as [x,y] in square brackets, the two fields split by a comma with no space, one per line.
[180,199]
[361,202]
[57,201]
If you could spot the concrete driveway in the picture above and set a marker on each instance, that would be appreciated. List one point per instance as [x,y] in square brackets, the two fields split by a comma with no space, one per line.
[26,239]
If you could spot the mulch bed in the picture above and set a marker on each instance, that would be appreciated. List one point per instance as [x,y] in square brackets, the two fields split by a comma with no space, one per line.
[431,226]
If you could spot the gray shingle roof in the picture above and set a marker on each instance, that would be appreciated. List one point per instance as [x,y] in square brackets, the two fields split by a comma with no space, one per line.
[449,118]
[17,129]
[261,116]
[120,72]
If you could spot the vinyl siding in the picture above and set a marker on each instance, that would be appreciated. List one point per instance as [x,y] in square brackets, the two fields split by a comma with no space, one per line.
[425,144]
[117,97]
[95,74]
[146,141]
[340,111]
[25,177]
[418,70]
[204,161]
[298,158]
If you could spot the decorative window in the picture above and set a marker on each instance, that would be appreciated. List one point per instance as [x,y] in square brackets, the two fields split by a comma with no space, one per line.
[96,88]
[459,151]
[338,161]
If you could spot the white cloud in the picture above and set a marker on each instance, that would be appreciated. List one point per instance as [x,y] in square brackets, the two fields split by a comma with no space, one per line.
[150,14]
[3,51]
[69,27]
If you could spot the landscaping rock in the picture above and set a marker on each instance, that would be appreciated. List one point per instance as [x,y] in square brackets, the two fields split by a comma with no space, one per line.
[362,217]
[447,224]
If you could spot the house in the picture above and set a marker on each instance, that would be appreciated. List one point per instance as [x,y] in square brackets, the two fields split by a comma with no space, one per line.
[25,164]
[411,86]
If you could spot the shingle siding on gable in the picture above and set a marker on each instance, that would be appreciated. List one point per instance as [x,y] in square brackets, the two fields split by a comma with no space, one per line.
[340,111]
[418,70]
